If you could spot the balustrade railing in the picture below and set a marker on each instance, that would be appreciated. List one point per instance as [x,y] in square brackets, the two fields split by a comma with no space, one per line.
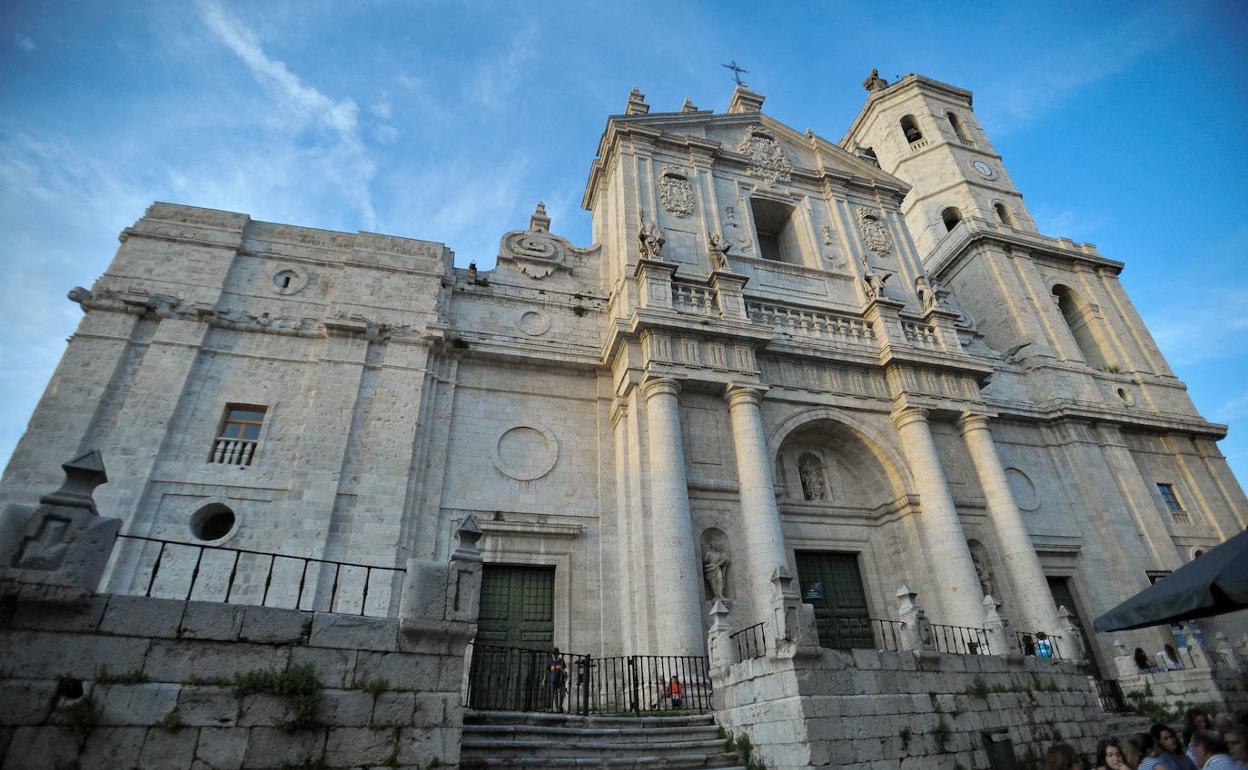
[750,642]
[690,298]
[919,144]
[233,451]
[847,632]
[1030,643]
[920,335]
[521,679]
[812,323]
[173,569]
[960,640]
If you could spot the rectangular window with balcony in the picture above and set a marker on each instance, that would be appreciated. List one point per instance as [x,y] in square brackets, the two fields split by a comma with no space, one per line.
[1177,511]
[239,437]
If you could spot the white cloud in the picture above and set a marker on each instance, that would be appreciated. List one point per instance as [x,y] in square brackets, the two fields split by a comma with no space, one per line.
[383,110]
[1206,327]
[23,42]
[344,157]
[1235,409]
[386,134]
[495,79]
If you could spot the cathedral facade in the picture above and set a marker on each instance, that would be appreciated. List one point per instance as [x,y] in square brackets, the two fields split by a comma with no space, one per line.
[856,362]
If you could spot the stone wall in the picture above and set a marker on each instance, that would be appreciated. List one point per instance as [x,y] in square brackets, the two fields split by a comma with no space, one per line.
[118,682]
[1222,690]
[905,709]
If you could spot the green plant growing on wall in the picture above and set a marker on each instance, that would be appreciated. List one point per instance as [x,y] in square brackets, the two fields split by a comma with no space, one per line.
[905,739]
[82,716]
[978,689]
[172,722]
[375,687]
[103,676]
[942,734]
[299,686]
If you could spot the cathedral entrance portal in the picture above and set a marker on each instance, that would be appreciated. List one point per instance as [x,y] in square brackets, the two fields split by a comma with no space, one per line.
[517,606]
[832,583]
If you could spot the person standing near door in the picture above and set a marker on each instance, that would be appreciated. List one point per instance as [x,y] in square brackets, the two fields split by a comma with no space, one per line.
[556,679]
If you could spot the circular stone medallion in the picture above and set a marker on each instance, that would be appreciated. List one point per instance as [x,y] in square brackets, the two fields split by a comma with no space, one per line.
[533,323]
[526,452]
[1024,490]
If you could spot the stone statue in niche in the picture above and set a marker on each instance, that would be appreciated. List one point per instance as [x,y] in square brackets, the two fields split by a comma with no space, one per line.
[873,283]
[675,192]
[717,249]
[983,568]
[814,484]
[715,563]
[651,240]
[927,294]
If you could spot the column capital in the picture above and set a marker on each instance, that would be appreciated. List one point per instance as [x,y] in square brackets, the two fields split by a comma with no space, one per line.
[910,414]
[744,394]
[655,386]
[971,421]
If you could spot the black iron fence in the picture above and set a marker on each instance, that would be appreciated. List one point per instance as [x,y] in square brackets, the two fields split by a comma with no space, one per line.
[960,640]
[847,632]
[172,569]
[1039,644]
[751,642]
[1109,693]
[520,679]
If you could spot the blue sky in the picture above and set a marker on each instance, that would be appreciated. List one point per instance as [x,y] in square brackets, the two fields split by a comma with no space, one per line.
[1122,123]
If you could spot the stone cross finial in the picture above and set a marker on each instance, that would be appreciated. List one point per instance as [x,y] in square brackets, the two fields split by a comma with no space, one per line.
[469,533]
[636,103]
[82,475]
[539,222]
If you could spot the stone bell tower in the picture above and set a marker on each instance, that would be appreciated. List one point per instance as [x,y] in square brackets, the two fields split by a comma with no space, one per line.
[924,132]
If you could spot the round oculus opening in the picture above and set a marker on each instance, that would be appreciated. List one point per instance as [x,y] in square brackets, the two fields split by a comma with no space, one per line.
[212,522]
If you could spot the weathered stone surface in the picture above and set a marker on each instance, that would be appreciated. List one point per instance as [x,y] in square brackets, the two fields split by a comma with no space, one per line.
[211,620]
[263,711]
[49,655]
[141,616]
[349,746]
[80,615]
[169,748]
[178,661]
[268,624]
[207,706]
[346,708]
[419,745]
[335,668]
[272,746]
[400,670]
[41,748]
[354,632]
[109,748]
[394,708]
[220,749]
[25,702]
[135,704]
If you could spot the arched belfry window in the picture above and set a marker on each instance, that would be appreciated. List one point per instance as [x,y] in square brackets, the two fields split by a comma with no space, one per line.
[1004,214]
[910,128]
[951,216]
[959,127]
[814,479]
[1081,319]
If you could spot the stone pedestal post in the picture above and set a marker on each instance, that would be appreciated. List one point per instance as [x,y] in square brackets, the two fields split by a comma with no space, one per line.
[1124,661]
[1072,638]
[916,629]
[764,538]
[998,631]
[1196,655]
[949,557]
[678,591]
[719,648]
[728,287]
[1031,591]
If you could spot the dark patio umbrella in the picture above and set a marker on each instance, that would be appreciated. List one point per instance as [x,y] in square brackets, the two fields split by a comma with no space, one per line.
[1214,584]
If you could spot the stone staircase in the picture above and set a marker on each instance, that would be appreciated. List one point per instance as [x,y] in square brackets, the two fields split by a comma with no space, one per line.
[1122,726]
[534,741]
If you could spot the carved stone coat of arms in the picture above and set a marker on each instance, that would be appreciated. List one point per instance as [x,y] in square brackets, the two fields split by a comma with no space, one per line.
[874,233]
[675,192]
[768,159]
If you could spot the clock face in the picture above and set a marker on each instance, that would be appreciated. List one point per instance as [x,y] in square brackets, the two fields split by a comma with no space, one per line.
[983,168]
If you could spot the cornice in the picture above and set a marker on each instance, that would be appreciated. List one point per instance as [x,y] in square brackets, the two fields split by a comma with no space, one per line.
[958,243]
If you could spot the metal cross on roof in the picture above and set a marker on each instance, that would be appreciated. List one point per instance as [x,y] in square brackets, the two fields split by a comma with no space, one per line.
[736,71]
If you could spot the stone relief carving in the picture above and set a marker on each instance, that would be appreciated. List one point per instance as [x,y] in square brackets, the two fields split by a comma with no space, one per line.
[526,452]
[810,470]
[1023,489]
[873,282]
[983,567]
[717,250]
[768,160]
[536,251]
[874,233]
[675,192]
[715,562]
[651,238]
[533,323]
[829,245]
[741,236]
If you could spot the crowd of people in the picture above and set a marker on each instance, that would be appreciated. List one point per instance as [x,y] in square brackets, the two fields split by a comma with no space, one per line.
[1202,745]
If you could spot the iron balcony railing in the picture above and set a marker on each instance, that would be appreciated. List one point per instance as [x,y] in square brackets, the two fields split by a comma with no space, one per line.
[533,679]
[750,642]
[177,570]
[1029,643]
[961,640]
[849,632]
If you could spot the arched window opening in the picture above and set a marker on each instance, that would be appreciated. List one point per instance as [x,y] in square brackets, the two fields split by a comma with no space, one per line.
[910,128]
[814,481]
[959,127]
[1004,214]
[951,216]
[1082,322]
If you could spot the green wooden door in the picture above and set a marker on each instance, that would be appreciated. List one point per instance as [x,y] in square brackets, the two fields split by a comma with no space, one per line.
[517,606]
[833,584]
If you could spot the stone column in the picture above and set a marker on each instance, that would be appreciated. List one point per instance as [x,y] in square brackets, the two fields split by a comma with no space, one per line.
[1031,591]
[949,557]
[678,590]
[763,537]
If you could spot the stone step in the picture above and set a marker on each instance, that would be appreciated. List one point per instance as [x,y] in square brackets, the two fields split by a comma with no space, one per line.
[546,718]
[583,747]
[573,732]
[653,762]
